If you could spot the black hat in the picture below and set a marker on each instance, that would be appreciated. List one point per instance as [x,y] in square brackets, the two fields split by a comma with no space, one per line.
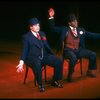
[33,21]
[71,17]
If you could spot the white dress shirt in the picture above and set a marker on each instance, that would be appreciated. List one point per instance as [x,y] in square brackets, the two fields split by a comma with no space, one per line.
[34,33]
[75,30]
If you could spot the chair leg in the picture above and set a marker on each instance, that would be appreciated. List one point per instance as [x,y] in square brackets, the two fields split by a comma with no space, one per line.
[45,73]
[26,74]
[34,81]
[34,75]
[81,66]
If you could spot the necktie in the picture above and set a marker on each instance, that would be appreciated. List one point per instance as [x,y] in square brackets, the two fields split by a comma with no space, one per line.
[74,32]
[38,36]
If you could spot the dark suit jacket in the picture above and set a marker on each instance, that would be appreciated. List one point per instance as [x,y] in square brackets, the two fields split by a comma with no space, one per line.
[63,30]
[32,47]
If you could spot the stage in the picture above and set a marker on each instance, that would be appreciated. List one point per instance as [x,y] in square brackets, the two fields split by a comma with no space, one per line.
[12,87]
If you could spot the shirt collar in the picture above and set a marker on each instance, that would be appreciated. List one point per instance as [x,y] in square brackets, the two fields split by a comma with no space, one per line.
[72,27]
[34,33]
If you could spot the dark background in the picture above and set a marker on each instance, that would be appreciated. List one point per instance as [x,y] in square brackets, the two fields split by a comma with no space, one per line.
[14,16]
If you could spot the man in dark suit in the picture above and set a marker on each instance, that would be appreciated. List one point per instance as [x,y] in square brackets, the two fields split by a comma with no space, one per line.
[73,39]
[36,53]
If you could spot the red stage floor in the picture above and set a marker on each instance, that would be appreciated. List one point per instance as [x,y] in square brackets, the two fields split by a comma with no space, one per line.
[11,82]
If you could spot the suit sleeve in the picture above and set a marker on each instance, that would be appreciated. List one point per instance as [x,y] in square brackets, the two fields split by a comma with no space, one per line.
[92,35]
[53,27]
[25,47]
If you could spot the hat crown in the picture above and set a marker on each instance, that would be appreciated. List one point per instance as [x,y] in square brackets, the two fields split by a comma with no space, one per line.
[33,21]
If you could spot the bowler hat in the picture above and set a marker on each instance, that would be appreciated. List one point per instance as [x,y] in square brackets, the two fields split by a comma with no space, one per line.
[33,21]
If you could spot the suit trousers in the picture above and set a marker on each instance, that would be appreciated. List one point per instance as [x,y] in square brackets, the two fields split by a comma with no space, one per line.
[50,60]
[74,54]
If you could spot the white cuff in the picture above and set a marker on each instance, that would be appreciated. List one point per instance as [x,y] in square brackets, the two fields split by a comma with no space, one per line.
[51,18]
[21,62]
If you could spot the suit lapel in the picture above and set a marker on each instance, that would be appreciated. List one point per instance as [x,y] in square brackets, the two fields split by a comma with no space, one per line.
[35,40]
[78,31]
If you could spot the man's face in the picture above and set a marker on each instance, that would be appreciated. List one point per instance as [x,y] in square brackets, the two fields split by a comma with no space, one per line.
[35,28]
[74,23]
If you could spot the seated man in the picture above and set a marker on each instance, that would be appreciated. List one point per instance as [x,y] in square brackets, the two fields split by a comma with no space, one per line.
[36,53]
[73,38]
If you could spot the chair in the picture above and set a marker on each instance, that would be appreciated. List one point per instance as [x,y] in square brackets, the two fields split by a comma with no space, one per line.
[26,73]
[78,61]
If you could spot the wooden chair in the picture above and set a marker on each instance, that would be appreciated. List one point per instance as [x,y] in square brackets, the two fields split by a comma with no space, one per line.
[26,73]
[79,61]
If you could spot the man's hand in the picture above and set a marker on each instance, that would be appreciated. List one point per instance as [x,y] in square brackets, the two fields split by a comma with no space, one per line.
[51,12]
[20,66]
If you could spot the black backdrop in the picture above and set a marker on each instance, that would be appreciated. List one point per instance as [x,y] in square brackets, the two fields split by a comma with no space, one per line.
[14,16]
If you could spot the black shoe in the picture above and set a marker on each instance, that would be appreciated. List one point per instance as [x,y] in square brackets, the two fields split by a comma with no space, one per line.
[90,74]
[41,88]
[57,84]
